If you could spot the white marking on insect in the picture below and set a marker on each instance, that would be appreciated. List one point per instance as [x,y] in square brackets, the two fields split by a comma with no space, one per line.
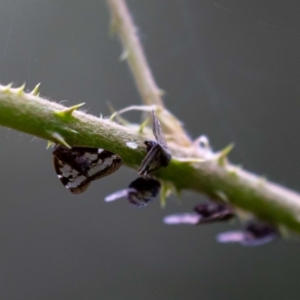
[132,145]
[79,166]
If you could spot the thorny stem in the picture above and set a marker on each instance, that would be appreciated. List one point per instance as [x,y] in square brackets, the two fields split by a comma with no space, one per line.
[123,24]
[214,177]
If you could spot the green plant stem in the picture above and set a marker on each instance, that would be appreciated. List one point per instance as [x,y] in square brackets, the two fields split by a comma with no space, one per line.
[243,189]
[214,177]
[39,117]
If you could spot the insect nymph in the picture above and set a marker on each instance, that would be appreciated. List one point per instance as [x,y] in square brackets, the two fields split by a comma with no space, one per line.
[79,166]
[139,192]
[158,154]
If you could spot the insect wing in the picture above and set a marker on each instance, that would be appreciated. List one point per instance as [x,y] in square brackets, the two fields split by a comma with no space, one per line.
[203,213]
[213,212]
[158,154]
[157,131]
[106,164]
[165,155]
[254,234]
[77,167]
[152,160]
[70,177]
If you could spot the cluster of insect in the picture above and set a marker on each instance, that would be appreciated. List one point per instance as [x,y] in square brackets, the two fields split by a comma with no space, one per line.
[254,233]
[77,167]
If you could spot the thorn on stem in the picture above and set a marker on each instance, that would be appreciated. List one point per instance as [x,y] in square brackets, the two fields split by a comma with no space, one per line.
[66,114]
[36,90]
[7,88]
[222,155]
[57,137]
[20,90]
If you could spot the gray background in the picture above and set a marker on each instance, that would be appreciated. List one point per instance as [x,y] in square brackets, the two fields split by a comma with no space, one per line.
[230,69]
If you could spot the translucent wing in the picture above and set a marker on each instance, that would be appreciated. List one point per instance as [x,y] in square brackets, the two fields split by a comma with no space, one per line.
[154,159]
[157,131]
[158,154]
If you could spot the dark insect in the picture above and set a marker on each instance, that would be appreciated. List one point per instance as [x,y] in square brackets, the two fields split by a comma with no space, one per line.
[158,154]
[139,193]
[204,213]
[213,212]
[254,234]
[78,167]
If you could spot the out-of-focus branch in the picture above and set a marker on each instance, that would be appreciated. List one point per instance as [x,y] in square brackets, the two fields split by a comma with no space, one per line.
[239,187]
[122,24]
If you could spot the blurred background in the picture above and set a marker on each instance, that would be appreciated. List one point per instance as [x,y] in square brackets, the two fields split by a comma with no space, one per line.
[230,69]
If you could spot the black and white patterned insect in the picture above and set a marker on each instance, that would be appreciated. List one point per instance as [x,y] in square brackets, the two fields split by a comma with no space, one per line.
[158,154]
[79,166]
[254,234]
[204,213]
[139,192]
